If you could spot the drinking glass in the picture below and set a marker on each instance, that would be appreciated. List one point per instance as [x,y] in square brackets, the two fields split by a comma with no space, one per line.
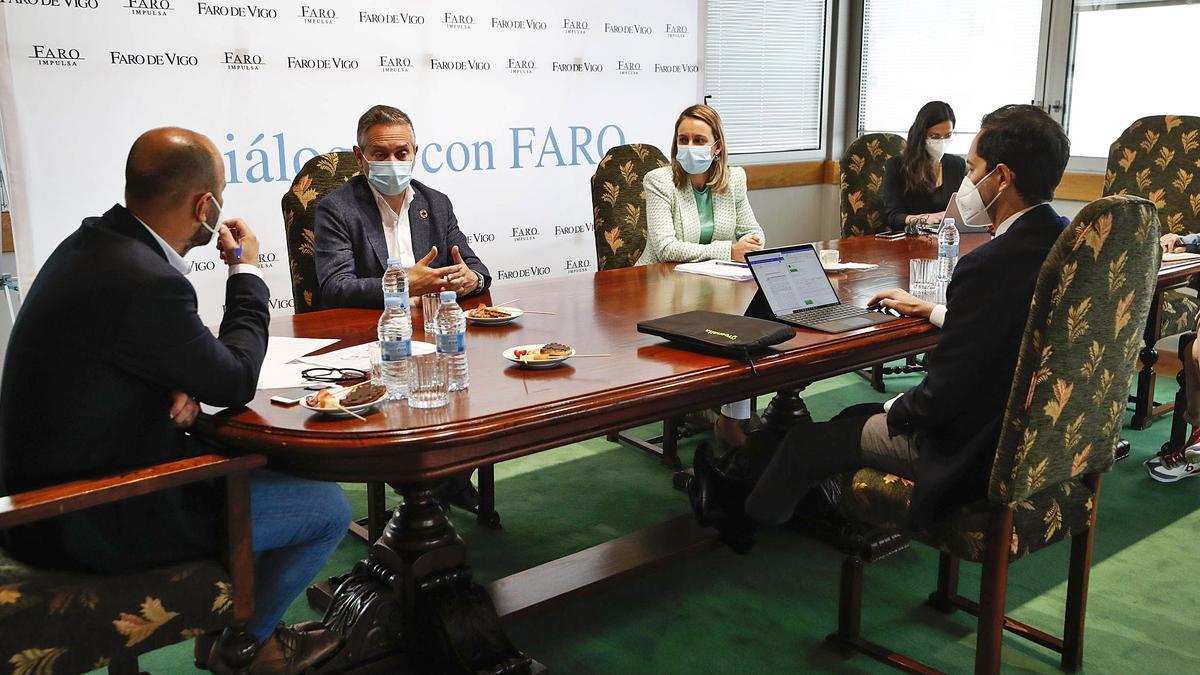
[922,278]
[428,381]
[375,356]
[430,302]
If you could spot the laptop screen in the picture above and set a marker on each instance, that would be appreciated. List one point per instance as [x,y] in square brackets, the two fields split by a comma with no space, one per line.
[792,279]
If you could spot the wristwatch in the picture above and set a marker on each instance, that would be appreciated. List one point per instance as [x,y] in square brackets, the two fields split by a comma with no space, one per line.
[478,282]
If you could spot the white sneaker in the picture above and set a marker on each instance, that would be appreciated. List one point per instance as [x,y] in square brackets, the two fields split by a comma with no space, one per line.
[1178,465]
[1192,443]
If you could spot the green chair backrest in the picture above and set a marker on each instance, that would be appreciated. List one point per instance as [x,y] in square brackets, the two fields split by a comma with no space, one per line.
[1085,326]
[619,203]
[319,176]
[862,182]
[1159,158]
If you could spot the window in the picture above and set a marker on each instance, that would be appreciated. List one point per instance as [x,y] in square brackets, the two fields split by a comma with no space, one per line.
[764,69]
[1130,59]
[976,55]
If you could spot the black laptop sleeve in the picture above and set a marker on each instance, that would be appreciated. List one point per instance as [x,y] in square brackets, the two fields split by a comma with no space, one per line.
[726,334]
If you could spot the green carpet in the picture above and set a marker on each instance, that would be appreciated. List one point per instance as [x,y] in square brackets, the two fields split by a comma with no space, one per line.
[768,612]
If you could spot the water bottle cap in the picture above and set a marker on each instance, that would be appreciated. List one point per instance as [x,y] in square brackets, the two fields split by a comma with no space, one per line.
[394,261]
[948,221]
[448,296]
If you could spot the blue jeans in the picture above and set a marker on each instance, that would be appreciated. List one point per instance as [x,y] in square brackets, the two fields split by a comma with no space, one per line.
[297,524]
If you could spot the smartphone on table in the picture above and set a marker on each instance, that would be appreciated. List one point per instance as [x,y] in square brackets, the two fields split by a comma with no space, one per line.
[294,396]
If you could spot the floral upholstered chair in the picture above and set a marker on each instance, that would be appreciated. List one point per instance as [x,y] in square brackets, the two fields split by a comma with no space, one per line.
[862,183]
[1159,158]
[619,216]
[1060,430]
[619,203]
[862,213]
[319,176]
[70,622]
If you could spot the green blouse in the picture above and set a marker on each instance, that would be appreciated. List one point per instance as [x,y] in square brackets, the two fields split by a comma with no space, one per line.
[705,209]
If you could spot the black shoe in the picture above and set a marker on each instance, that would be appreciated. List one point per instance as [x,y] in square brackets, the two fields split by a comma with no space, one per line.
[458,491]
[1122,450]
[718,502]
[702,467]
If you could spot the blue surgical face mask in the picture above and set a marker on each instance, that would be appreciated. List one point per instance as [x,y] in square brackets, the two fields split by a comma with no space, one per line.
[695,159]
[390,178]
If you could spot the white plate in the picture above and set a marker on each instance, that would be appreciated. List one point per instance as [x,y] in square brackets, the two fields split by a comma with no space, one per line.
[356,409]
[552,362]
[499,321]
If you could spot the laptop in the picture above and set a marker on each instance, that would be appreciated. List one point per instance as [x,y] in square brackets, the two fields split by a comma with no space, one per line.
[793,289]
[953,212]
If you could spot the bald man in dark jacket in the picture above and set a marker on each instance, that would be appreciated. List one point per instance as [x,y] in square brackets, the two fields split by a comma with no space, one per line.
[105,365]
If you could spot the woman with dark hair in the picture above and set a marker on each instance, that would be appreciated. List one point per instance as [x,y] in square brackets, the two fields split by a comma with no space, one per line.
[918,183]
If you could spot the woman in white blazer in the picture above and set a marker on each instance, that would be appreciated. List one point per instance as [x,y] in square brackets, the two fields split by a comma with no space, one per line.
[696,208]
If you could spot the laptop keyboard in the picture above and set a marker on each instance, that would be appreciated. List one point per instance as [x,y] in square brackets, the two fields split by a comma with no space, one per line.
[823,314]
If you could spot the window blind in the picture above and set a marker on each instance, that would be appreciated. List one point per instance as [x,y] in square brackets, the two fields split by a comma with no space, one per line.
[975,55]
[764,64]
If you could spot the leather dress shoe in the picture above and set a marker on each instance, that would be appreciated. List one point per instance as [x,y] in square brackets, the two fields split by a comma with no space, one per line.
[718,501]
[287,651]
[460,493]
[203,644]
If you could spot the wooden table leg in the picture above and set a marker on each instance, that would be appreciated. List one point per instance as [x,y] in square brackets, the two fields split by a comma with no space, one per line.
[486,514]
[1179,426]
[786,410]
[1143,400]
[414,597]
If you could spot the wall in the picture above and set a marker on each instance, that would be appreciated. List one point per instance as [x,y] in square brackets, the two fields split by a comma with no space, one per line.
[794,215]
[1068,208]
[513,103]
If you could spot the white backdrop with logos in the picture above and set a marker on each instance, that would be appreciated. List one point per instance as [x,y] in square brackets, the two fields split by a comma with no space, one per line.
[513,102]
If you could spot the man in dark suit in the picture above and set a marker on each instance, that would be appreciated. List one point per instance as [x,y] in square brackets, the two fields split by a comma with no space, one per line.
[105,365]
[382,213]
[943,433]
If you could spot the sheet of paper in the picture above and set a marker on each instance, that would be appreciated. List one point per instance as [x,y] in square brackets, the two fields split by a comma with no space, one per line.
[718,269]
[844,265]
[356,356]
[280,368]
[1179,257]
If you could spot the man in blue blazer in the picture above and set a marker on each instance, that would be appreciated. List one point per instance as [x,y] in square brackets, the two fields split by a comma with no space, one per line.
[383,213]
[942,434]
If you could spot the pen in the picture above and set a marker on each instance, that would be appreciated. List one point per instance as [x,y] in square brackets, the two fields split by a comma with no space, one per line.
[729,264]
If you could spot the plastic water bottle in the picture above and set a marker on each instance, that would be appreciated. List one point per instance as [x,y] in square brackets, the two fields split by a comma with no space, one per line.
[947,250]
[395,330]
[451,329]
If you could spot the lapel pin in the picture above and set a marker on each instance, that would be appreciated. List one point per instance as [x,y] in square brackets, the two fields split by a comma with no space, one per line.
[423,213]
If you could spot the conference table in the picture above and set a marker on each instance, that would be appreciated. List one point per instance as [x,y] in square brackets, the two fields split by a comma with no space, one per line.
[1172,275]
[411,603]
